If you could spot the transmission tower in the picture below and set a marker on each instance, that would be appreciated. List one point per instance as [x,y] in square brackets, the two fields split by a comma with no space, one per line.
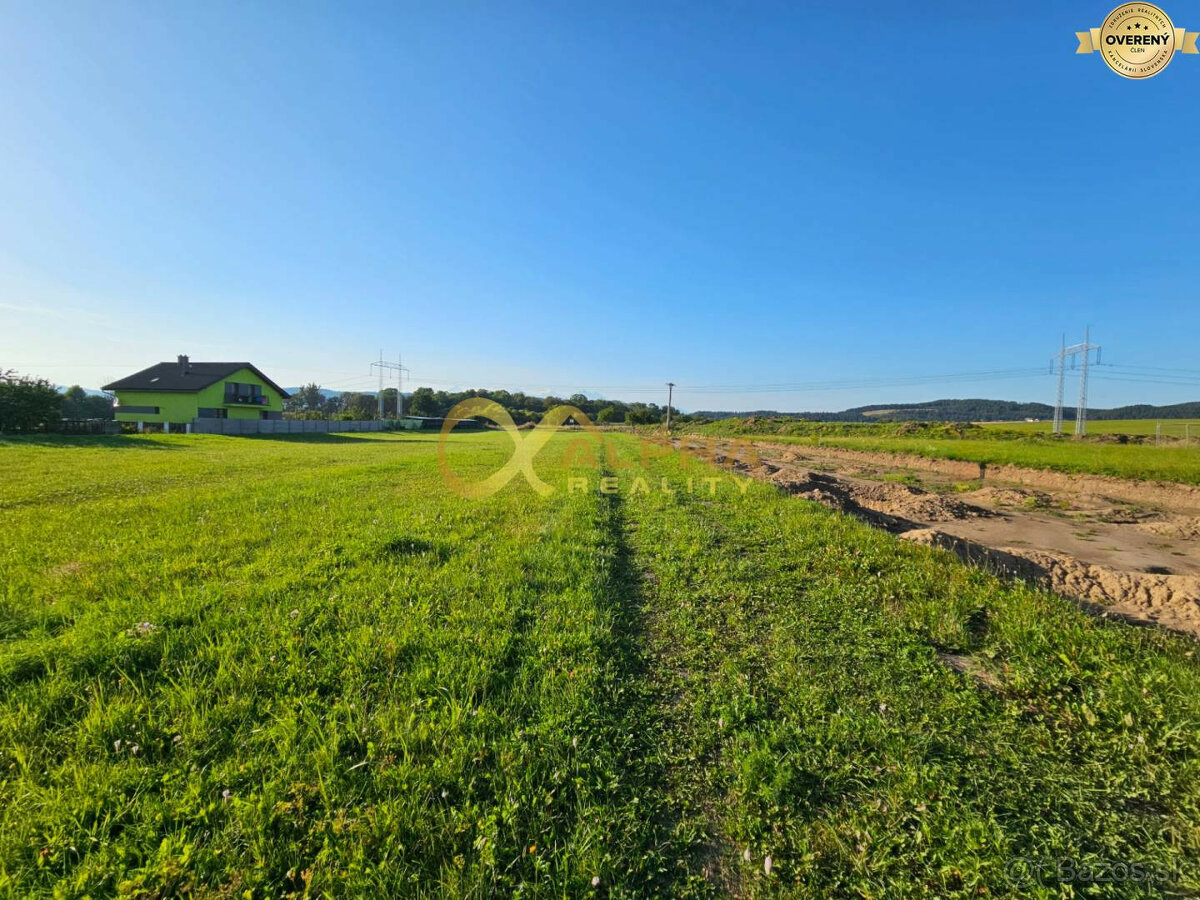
[384,366]
[1082,350]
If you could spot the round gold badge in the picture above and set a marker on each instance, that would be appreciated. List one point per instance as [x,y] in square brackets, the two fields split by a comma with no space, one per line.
[1137,40]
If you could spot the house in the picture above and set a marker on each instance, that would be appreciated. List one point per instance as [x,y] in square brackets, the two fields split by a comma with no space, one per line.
[176,393]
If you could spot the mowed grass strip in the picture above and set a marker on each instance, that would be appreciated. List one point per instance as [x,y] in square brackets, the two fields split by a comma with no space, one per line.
[259,667]
[280,666]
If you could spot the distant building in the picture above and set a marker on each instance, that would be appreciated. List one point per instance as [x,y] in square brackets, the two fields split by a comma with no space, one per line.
[176,393]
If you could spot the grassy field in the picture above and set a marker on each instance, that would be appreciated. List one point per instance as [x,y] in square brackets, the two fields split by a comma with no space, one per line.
[1172,428]
[265,667]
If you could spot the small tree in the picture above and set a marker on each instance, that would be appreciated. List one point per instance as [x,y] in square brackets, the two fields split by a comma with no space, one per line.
[27,403]
[423,403]
[79,404]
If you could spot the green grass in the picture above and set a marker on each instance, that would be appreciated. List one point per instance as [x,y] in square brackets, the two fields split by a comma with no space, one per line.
[353,683]
[1173,428]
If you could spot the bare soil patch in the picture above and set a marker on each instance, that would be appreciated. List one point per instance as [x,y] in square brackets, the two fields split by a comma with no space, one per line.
[1118,548]
[1180,497]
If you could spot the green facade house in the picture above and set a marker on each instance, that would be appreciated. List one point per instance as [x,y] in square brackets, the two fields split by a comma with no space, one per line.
[176,394]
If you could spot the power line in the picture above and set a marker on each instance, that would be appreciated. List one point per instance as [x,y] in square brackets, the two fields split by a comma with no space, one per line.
[1195,372]
[389,366]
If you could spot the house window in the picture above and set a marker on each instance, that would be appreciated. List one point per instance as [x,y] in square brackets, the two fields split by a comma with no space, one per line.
[209,412]
[137,410]
[243,393]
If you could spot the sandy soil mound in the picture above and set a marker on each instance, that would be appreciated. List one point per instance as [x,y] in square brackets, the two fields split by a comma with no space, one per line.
[1169,600]
[1006,496]
[893,501]
[912,503]
[1183,527]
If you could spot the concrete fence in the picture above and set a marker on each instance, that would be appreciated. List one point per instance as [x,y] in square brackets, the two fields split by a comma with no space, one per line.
[295,426]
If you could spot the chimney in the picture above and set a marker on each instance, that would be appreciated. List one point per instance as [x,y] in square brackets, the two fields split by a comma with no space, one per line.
[183,365]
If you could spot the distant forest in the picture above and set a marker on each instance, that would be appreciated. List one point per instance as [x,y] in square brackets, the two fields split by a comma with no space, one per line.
[311,401]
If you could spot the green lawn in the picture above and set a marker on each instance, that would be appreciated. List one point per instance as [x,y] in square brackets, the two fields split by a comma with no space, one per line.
[260,667]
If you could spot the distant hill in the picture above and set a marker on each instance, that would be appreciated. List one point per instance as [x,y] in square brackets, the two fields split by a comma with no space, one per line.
[329,394]
[969,411]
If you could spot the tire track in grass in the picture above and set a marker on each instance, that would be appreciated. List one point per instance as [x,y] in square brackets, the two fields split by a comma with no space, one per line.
[674,838]
[579,745]
[705,676]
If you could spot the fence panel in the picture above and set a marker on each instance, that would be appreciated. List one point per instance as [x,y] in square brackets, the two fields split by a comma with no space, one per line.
[294,426]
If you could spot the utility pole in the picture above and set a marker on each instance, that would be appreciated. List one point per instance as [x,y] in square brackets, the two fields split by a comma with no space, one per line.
[670,388]
[1062,374]
[1083,350]
[400,370]
[379,396]
[1081,412]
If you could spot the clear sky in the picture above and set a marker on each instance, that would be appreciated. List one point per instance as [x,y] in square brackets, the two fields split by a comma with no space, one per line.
[598,196]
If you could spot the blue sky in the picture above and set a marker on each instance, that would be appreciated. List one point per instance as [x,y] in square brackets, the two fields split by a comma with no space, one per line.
[598,197]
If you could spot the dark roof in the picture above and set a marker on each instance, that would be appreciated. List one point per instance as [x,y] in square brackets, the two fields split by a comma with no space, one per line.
[169,376]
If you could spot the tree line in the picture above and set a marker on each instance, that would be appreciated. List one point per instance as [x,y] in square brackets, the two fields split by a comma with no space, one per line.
[311,401]
[28,403]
